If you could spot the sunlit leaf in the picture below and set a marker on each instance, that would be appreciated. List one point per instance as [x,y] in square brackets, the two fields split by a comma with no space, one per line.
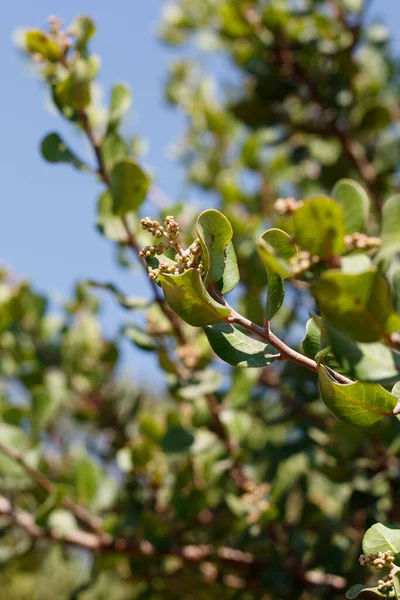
[380,538]
[188,297]
[356,404]
[355,203]
[215,235]
[320,227]
[359,305]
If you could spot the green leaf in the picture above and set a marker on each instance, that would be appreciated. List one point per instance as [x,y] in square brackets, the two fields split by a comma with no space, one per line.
[177,439]
[82,28]
[38,42]
[230,277]
[390,226]
[113,150]
[356,404]
[188,297]
[275,248]
[359,305]
[236,347]
[373,362]
[320,227]
[140,338]
[215,233]
[355,203]
[129,186]
[55,150]
[379,538]
[311,343]
[86,479]
[358,589]
[121,102]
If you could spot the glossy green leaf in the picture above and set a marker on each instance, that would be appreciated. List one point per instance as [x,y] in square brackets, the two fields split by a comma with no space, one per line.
[319,227]
[311,343]
[215,233]
[356,404]
[188,297]
[359,305]
[121,102]
[360,590]
[55,150]
[38,42]
[129,186]
[275,248]
[380,538]
[373,362]
[390,229]
[236,347]
[355,203]
[82,28]
[177,439]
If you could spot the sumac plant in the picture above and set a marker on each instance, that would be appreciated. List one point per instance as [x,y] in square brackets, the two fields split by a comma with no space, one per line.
[272,312]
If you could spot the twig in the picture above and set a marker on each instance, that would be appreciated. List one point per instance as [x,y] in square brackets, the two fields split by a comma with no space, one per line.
[286,352]
[79,511]
[102,171]
[190,554]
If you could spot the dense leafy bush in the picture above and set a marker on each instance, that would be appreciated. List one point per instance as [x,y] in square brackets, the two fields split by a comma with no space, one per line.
[240,483]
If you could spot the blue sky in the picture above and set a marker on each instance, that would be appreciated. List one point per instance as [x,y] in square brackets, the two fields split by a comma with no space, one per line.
[47,232]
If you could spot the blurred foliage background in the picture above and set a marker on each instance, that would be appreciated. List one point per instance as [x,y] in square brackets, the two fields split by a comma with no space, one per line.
[235,483]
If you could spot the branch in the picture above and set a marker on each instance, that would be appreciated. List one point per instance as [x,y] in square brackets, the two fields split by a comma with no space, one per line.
[102,171]
[79,511]
[190,554]
[286,352]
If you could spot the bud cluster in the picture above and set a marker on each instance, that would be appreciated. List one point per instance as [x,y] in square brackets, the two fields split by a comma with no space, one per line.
[379,560]
[287,206]
[361,241]
[303,261]
[386,583]
[153,227]
[185,259]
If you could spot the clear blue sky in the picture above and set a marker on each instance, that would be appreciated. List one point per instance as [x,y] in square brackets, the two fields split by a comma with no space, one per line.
[47,232]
